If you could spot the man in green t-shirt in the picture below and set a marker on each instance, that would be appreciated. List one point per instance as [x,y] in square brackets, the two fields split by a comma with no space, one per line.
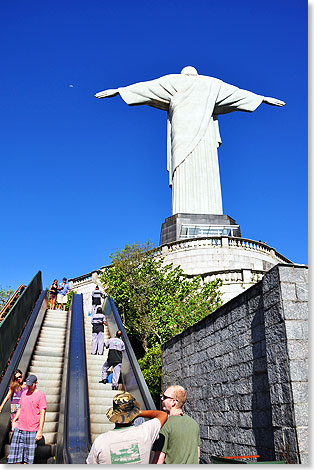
[179,439]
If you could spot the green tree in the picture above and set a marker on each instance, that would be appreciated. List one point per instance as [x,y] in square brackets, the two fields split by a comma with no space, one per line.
[155,300]
[5,294]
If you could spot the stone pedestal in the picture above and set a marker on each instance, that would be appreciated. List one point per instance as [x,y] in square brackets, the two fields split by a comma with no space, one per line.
[185,226]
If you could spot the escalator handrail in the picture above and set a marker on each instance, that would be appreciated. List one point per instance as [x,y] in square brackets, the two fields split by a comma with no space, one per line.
[115,324]
[74,438]
[62,454]
[21,357]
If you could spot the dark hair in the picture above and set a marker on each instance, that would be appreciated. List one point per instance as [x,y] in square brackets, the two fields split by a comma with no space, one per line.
[64,279]
[118,333]
[14,383]
[99,310]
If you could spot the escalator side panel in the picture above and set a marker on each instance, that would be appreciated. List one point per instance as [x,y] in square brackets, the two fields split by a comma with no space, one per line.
[21,358]
[13,324]
[133,378]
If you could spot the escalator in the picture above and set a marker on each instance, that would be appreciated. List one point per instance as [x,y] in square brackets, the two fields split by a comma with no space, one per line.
[47,365]
[84,401]
[42,341]
[39,351]
[55,346]
[100,395]
[132,380]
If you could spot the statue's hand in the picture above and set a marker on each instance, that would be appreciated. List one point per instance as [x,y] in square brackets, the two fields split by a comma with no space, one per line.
[107,93]
[273,101]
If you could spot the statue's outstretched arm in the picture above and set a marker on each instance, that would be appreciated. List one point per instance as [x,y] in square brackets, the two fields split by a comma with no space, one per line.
[273,101]
[107,93]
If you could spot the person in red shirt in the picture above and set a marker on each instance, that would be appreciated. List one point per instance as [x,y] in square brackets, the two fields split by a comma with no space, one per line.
[28,423]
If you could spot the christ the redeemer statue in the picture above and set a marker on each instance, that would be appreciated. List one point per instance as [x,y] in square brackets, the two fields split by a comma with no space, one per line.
[193,103]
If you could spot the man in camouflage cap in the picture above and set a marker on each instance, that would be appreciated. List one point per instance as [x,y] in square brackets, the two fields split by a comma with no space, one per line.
[127,443]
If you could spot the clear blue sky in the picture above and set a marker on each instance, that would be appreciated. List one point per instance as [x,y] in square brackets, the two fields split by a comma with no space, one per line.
[81,177]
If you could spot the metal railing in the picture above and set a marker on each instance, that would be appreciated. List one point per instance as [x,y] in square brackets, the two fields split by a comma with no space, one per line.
[74,438]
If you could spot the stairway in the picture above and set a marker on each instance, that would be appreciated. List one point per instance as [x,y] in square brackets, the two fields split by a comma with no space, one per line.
[47,365]
[100,395]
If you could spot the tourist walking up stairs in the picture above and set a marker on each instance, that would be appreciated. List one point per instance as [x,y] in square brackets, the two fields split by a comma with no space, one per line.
[100,395]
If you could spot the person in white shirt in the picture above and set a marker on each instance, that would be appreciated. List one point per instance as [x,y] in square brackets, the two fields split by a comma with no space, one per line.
[127,444]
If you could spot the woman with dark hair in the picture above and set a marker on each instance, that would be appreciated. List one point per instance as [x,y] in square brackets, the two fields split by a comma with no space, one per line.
[53,291]
[17,387]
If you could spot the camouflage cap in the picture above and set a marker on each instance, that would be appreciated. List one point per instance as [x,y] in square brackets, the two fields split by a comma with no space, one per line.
[125,409]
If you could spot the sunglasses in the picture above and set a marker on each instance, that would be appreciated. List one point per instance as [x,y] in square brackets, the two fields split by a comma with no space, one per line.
[19,376]
[164,397]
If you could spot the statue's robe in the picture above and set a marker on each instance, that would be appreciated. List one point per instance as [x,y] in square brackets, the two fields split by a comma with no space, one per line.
[193,103]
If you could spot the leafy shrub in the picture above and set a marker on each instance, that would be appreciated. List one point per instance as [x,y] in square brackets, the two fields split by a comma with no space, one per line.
[151,365]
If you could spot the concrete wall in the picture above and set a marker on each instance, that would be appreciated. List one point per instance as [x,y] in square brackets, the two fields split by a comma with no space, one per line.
[238,262]
[85,285]
[245,370]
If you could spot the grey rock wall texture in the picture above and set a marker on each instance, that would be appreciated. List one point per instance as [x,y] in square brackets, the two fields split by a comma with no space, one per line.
[245,370]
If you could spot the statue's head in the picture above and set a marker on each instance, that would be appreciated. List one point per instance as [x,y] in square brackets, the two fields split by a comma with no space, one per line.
[189,71]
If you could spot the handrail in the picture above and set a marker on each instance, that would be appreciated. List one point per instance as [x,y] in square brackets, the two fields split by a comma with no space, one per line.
[21,358]
[132,375]
[62,454]
[74,438]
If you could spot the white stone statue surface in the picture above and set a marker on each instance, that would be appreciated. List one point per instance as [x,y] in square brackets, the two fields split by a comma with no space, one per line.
[193,103]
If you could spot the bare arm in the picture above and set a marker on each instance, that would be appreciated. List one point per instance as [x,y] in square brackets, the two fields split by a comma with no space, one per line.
[161,415]
[16,417]
[159,457]
[199,453]
[107,93]
[273,101]
[39,433]
[8,395]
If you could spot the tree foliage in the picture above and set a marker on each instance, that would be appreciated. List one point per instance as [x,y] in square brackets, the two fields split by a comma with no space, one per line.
[155,300]
[5,294]
[151,367]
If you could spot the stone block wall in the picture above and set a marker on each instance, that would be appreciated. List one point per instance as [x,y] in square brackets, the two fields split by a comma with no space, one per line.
[245,370]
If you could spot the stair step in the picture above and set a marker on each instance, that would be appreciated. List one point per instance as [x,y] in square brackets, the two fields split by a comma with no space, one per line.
[49,352]
[43,374]
[51,390]
[53,330]
[55,323]
[50,427]
[50,342]
[100,418]
[98,428]
[52,416]
[53,407]
[52,399]
[106,401]
[47,364]
[96,387]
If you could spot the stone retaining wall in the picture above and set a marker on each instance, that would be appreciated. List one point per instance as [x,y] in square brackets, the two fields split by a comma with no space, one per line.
[245,370]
